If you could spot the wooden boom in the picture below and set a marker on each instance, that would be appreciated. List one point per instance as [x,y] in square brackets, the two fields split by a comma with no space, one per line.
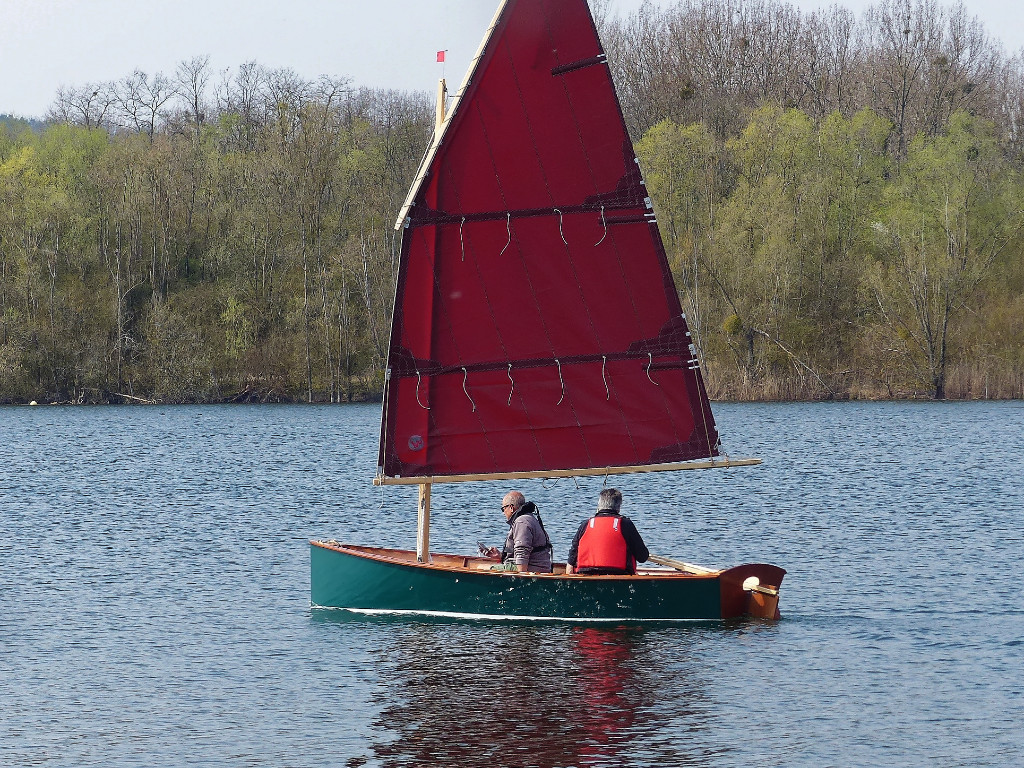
[598,471]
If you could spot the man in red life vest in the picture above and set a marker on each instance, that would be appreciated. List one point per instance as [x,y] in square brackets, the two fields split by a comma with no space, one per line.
[607,543]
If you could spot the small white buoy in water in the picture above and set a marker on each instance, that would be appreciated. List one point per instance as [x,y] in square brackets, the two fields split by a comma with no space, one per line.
[33,403]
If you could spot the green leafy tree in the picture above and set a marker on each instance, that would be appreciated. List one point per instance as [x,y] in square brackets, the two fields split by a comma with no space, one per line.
[950,214]
[682,166]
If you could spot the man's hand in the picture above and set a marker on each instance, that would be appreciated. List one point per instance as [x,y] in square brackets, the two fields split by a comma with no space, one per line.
[485,551]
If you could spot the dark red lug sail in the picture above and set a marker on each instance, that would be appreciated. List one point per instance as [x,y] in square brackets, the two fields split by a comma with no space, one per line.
[537,325]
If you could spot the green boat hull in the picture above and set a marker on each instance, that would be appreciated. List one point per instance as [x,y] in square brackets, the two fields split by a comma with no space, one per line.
[373,580]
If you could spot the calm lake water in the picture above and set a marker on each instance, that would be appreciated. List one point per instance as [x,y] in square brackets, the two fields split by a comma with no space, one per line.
[154,599]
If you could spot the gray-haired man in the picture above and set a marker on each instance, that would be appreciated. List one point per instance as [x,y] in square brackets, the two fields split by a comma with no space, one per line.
[607,543]
[527,544]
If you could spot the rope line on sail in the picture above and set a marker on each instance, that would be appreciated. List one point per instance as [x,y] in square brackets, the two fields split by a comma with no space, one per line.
[561,233]
[465,376]
[508,226]
[678,362]
[560,381]
[604,362]
[604,223]
[632,211]
[513,388]
[461,240]
[421,405]
[650,362]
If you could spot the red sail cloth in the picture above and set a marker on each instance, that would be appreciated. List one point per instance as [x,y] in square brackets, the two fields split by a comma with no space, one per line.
[531,243]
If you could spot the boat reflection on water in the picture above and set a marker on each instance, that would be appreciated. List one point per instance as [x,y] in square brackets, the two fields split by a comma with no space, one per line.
[605,661]
[536,695]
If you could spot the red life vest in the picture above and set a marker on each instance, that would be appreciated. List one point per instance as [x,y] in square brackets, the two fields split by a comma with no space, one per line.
[603,546]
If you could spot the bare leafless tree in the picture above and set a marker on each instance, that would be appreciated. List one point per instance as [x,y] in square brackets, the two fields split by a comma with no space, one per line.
[89,105]
[1011,110]
[915,62]
[142,100]
[834,55]
[190,81]
[238,94]
[924,62]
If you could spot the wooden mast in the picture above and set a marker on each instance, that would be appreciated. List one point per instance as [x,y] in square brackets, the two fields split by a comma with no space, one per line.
[423,525]
[442,97]
[423,507]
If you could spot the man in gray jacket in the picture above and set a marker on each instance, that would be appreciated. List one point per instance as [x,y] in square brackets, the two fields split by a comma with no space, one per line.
[527,544]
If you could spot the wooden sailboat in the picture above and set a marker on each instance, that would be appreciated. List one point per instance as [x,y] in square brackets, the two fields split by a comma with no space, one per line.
[537,333]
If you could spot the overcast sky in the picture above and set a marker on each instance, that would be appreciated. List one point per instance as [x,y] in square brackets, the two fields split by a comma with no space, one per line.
[378,43]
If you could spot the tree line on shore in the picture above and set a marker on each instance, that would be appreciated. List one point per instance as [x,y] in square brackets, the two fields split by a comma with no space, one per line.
[180,240]
[841,200]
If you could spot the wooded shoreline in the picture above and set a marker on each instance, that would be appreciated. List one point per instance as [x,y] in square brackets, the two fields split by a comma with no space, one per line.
[841,200]
[956,394]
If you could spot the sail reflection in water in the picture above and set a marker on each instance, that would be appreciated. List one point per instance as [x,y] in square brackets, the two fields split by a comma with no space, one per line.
[605,660]
[545,696]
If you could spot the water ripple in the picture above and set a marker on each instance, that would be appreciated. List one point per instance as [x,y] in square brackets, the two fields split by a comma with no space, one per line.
[154,599]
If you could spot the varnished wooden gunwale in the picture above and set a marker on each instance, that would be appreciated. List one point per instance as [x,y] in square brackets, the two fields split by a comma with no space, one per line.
[455,563]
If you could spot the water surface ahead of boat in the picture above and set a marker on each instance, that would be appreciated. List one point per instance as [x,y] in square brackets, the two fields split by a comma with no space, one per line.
[155,583]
